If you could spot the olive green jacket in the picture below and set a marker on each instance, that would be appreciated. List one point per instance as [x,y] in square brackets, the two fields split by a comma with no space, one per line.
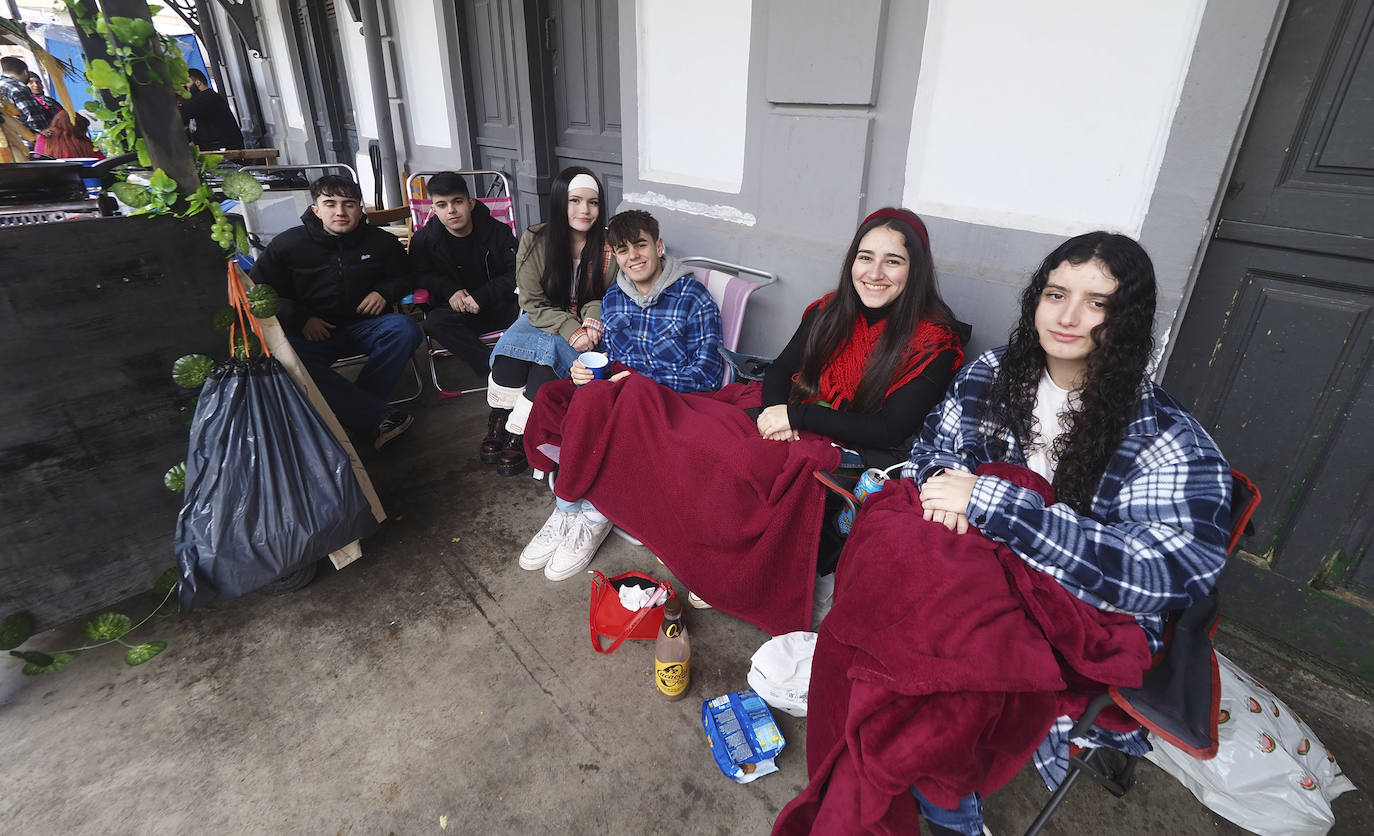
[544,315]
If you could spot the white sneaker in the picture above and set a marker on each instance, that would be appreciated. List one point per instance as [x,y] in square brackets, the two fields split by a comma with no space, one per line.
[695,600]
[824,599]
[577,549]
[547,540]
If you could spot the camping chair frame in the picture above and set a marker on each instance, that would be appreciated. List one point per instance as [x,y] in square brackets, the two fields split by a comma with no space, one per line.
[502,207]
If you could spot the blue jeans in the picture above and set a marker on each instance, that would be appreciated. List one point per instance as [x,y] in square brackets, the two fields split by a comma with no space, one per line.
[580,506]
[388,341]
[524,341]
[966,819]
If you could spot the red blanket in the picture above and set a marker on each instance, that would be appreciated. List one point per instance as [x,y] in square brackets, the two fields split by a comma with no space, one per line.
[943,664]
[734,516]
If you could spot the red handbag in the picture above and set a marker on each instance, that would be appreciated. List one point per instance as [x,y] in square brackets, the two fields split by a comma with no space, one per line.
[608,618]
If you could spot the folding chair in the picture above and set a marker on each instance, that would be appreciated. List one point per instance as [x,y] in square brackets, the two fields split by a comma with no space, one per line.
[285,197]
[499,201]
[731,292]
[1179,697]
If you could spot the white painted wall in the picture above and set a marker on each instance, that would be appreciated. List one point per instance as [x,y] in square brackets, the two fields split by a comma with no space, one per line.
[693,61]
[427,83]
[1049,116]
[274,30]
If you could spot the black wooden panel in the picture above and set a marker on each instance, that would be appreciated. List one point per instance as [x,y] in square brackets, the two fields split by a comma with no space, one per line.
[1315,171]
[92,314]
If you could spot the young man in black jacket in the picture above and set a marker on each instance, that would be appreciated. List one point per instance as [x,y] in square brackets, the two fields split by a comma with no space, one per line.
[338,279]
[465,258]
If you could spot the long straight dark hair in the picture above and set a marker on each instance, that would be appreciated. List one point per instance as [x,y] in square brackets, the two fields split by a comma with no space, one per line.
[557,280]
[834,323]
[1111,381]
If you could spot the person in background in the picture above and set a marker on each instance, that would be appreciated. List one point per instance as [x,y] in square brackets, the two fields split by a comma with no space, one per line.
[215,126]
[48,103]
[68,141]
[14,85]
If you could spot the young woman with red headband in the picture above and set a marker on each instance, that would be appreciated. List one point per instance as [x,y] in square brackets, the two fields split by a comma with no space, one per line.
[871,358]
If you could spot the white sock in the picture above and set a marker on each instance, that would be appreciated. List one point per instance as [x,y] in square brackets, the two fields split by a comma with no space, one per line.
[519,414]
[501,397]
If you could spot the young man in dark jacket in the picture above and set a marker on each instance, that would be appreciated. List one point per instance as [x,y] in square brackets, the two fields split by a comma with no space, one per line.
[338,279]
[465,258]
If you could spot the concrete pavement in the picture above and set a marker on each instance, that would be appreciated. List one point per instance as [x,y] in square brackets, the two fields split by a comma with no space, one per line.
[434,687]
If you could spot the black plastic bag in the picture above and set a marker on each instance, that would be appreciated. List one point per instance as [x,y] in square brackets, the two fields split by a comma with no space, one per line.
[268,487]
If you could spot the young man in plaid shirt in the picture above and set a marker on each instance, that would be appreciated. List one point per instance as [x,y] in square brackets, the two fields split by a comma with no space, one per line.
[14,85]
[660,322]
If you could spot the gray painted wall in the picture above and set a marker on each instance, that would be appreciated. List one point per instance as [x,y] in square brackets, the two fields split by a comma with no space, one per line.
[814,168]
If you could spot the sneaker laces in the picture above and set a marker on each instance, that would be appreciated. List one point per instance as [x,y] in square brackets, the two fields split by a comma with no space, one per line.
[586,530]
[555,529]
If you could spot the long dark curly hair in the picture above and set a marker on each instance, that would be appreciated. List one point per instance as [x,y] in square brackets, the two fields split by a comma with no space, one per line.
[1111,382]
[557,280]
[834,323]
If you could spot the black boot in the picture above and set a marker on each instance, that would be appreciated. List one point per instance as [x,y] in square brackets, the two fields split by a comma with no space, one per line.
[512,460]
[496,436]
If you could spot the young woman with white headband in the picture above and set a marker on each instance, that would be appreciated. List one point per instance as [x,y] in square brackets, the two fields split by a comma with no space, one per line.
[562,271]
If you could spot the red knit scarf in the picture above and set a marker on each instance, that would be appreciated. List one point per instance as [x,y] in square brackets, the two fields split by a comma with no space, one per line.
[840,376]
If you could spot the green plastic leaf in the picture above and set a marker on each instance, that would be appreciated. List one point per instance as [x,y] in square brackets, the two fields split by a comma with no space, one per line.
[166,580]
[123,29]
[175,478]
[162,182]
[138,654]
[15,630]
[153,9]
[245,246]
[106,77]
[222,318]
[56,662]
[107,626]
[262,301]
[246,345]
[211,160]
[131,194]
[33,657]
[190,370]
[242,186]
[142,148]
[142,29]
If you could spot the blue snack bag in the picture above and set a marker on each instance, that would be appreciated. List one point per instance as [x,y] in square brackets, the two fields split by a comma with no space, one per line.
[744,739]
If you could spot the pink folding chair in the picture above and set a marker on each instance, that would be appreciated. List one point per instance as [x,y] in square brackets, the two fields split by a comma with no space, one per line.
[731,292]
[502,208]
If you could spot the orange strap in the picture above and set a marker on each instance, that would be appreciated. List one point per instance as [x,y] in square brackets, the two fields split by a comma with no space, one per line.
[238,300]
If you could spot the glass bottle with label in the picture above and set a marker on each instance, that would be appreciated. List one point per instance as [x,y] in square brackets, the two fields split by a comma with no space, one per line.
[672,654]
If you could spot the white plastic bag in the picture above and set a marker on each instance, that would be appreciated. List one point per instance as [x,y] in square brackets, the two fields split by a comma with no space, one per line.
[1271,775]
[780,671]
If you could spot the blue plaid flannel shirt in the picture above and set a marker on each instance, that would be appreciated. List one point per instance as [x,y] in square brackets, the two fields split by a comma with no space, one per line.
[33,114]
[1156,537]
[675,341]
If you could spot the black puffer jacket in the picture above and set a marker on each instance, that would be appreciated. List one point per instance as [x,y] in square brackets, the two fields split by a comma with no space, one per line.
[483,263]
[328,276]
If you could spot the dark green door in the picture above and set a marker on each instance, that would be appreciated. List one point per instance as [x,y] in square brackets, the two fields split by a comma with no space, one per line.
[1274,351]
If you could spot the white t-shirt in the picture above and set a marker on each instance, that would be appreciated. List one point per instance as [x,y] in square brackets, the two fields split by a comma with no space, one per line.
[1050,405]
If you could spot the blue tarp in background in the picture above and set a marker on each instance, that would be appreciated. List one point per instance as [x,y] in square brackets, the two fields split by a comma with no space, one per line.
[62,42]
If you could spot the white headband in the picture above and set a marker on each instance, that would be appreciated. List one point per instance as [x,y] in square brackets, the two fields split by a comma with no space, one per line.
[583,181]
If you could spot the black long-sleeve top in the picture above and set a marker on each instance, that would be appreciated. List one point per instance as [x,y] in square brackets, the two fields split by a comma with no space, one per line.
[881,437]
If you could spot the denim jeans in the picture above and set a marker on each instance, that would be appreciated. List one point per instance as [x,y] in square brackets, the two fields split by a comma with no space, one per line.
[966,819]
[580,506]
[388,341]
[523,341]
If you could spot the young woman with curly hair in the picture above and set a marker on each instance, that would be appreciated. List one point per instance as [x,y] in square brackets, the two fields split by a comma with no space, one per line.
[1139,522]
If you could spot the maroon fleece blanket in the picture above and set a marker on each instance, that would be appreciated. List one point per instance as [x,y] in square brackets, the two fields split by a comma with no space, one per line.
[943,664]
[734,516]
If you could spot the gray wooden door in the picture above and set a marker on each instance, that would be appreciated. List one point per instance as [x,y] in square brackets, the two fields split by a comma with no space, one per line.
[489,64]
[1274,351]
[544,77]
[315,24]
[582,47]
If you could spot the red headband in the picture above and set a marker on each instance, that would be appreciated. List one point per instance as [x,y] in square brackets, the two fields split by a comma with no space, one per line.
[905,217]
